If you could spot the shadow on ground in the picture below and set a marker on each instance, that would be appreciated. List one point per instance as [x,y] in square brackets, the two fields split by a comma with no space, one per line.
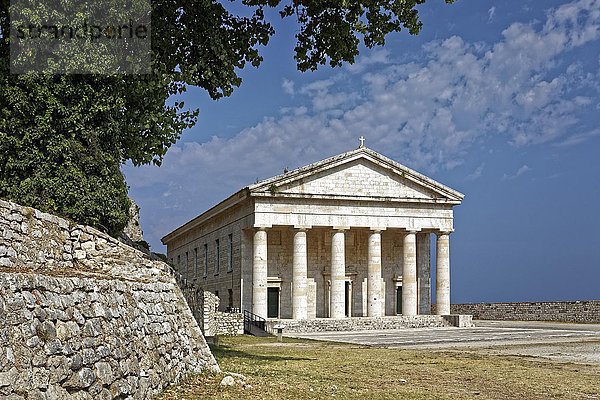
[221,352]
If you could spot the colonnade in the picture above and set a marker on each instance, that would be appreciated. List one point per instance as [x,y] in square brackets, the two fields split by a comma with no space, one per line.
[337,298]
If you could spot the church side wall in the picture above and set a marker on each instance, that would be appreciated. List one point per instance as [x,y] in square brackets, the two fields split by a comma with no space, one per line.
[189,252]
[85,316]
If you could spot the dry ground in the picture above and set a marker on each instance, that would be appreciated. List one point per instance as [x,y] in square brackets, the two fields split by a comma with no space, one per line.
[304,369]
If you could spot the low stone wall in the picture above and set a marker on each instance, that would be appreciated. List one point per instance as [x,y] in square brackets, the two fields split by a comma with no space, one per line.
[587,311]
[229,324]
[83,316]
[364,323]
[205,306]
[219,322]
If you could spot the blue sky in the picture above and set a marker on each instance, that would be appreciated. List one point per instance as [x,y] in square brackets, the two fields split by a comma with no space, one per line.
[497,99]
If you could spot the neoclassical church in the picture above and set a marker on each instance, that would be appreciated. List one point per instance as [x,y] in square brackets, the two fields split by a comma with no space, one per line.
[348,236]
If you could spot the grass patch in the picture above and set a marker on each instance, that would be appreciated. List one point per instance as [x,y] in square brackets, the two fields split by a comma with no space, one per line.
[303,369]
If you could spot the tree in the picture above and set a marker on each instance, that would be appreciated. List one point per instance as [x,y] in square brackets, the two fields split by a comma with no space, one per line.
[64,137]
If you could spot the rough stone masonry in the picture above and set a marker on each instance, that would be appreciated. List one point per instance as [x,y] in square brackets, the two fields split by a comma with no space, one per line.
[83,316]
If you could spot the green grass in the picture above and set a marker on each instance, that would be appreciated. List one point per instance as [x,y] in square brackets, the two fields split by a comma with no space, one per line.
[302,369]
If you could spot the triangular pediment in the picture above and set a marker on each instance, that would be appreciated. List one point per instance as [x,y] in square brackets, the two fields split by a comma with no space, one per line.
[360,174]
[359,178]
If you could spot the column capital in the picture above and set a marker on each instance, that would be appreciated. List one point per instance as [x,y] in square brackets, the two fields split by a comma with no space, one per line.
[412,230]
[261,227]
[441,233]
[377,230]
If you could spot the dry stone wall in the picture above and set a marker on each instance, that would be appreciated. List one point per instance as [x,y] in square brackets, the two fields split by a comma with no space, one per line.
[230,323]
[83,316]
[205,308]
[585,311]
[217,322]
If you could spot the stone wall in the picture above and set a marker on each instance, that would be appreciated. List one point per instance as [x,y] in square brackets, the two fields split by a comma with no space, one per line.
[210,307]
[229,323]
[205,308]
[195,300]
[84,316]
[586,311]
[368,323]
[217,322]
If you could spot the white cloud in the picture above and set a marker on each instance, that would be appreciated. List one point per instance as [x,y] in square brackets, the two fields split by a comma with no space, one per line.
[521,171]
[426,113]
[524,169]
[578,138]
[491,14]
[476,174]
[326,97]
[288,86]
[376,56]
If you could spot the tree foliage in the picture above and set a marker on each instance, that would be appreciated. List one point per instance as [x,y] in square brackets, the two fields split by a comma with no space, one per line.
[63,138]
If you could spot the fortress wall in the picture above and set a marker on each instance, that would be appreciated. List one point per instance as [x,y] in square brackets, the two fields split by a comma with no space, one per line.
[584,311]
[84,316]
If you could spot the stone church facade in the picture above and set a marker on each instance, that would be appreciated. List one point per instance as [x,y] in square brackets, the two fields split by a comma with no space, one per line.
[349,236]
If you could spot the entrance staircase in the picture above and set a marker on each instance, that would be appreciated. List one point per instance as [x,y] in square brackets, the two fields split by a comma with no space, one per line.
[255,325]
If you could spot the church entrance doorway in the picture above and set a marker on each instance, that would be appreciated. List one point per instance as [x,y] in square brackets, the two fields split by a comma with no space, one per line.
[398,300]
[273,302]
[348,297]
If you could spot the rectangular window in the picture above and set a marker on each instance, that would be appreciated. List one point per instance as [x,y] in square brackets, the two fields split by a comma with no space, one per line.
[230,254]
[205,260]
[187,264]
[217,256]
[178,266]
[196,261]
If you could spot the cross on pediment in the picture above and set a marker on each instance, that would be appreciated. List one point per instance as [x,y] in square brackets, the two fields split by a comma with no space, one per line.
[362,141]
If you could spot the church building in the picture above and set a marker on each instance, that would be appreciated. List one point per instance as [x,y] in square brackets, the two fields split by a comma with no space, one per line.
[348,236]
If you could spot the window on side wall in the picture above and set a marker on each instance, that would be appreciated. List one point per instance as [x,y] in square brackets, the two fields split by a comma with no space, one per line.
[196,261]
[217,256]
[230,253]
[187,264]
[205,260]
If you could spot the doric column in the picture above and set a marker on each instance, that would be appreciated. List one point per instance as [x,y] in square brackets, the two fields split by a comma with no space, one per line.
[259,273]
[374,275]
[337,299]
[424,272]
[409,275]
[299,273]
[442,287]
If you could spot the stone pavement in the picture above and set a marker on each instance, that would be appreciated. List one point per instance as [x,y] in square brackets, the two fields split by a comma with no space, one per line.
[485,334]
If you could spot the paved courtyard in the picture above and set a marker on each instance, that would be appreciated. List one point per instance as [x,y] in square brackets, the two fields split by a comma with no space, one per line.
[556,341]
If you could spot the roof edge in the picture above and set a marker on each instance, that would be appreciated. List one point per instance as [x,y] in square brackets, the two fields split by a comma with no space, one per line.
[229,202]
[333,161]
